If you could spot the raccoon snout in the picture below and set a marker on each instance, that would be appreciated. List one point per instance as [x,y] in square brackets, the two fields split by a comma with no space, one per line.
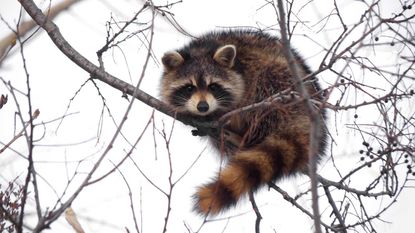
[203,106]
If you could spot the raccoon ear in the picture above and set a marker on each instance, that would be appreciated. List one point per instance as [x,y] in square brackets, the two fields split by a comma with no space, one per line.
[225,55]
[172,60]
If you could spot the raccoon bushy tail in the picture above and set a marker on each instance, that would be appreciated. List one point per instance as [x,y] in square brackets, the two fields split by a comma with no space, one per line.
[249,169]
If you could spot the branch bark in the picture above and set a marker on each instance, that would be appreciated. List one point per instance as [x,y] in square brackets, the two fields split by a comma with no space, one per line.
[313,115]
[53,31]
[256,210]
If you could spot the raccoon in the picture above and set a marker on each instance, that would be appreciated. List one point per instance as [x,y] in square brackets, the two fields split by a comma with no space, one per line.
[227,70]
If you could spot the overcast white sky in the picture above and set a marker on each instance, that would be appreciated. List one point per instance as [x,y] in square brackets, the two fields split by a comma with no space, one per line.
[105,207]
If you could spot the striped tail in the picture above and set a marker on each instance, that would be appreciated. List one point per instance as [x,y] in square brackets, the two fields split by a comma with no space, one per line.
[250,169]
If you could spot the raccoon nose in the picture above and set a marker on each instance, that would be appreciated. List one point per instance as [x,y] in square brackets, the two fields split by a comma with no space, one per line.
[203,106]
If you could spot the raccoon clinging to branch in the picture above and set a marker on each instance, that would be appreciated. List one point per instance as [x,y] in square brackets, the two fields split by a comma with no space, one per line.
[223,71]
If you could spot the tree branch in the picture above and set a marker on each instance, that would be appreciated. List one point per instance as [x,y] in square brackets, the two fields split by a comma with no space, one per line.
[315,120]
[256,210]
[88,66]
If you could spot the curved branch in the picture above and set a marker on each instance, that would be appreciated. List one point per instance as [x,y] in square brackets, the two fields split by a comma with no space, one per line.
[63,45]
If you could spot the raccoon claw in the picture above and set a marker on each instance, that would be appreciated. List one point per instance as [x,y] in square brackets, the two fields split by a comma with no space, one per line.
[198,132]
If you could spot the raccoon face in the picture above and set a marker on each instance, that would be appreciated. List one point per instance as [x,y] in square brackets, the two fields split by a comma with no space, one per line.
[201,84]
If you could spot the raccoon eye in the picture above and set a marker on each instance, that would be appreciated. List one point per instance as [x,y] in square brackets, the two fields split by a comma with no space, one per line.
[189,88]
[214,87]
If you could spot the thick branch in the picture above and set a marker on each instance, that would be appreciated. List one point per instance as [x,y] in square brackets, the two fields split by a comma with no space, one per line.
[88,66]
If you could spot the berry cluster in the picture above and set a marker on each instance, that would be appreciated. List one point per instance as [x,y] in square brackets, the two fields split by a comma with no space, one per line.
[410,164]
[368,151]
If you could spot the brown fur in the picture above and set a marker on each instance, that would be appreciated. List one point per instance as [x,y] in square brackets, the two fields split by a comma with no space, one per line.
[248,67]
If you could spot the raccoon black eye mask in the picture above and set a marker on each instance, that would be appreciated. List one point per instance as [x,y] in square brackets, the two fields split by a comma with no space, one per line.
[223,71]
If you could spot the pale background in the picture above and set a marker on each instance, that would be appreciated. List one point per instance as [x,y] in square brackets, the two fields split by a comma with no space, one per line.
[104,207]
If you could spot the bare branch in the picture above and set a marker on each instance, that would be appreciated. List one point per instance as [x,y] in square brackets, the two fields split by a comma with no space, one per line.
[313,114]
[256,210]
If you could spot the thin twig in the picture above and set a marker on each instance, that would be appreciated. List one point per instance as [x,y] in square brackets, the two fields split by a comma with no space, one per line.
[288,198]
[336,212]
[256,210]
[9,41]
[53,31]
[130,195]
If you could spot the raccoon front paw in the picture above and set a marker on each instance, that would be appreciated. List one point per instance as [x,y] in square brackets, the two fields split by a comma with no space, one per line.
[198,132]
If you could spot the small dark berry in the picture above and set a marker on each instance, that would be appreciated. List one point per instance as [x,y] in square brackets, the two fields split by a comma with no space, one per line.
[376,38]
[413,173]
[408,166]
[355,116]
[392,43]
[367,153]
[409,7]
[370,149]
[369,165]
[371,156]
[411,92]
[365,144]
[406,156]
[404,7]
[361,151]
[342,80]
[395,144]
[386,100]
[379,152]
[406,161]
[362,158]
